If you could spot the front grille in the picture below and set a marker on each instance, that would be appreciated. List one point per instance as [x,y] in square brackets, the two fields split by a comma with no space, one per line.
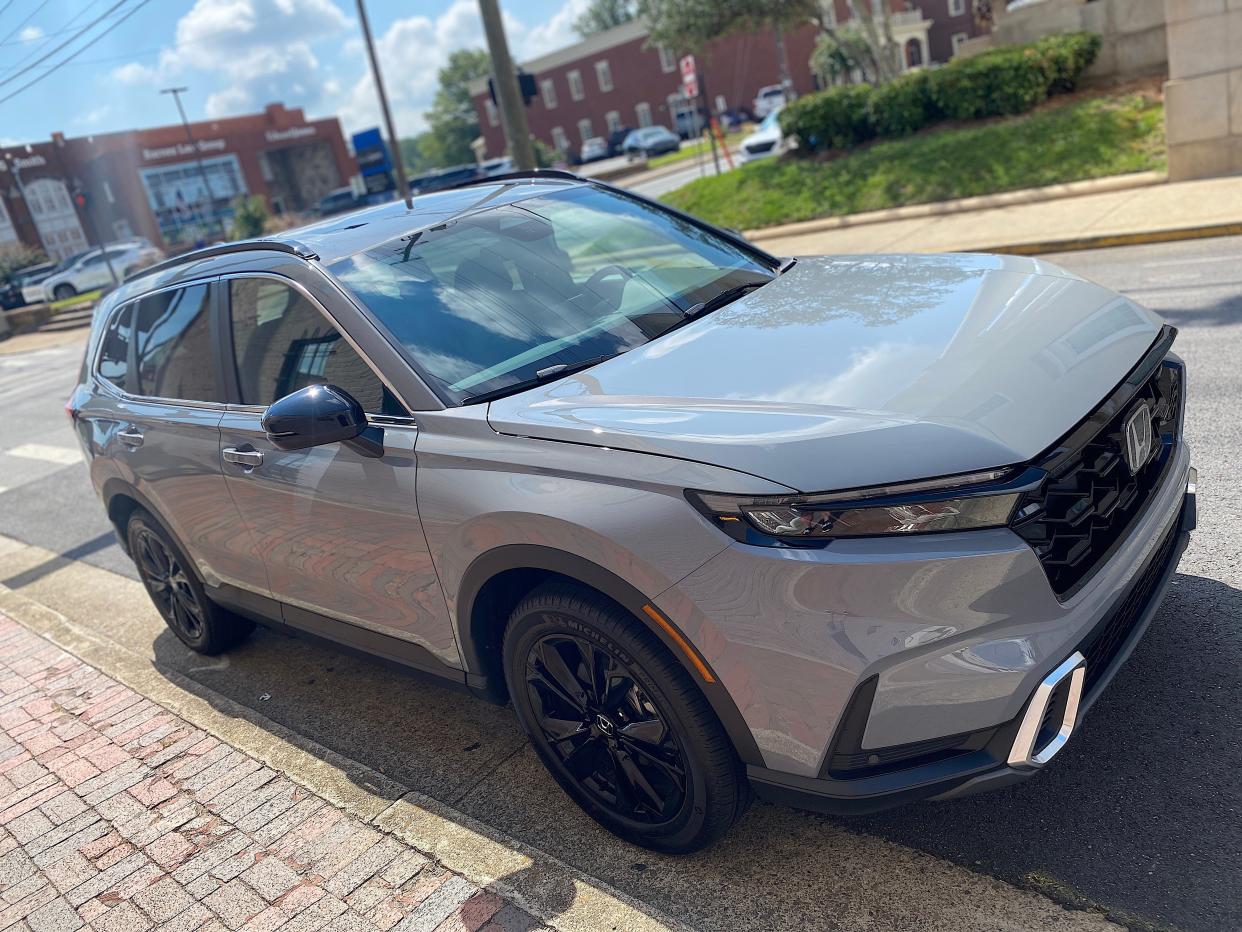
[758,148]
[1090,499]
[1103,644]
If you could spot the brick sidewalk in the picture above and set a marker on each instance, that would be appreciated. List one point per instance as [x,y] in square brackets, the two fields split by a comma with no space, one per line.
[118,815]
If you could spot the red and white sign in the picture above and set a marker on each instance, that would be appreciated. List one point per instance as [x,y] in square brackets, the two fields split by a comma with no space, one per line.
[689,78]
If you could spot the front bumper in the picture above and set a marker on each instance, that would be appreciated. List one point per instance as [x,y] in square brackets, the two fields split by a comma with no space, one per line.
[1016,750]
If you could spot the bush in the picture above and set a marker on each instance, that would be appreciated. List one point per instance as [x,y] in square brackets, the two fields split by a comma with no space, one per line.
[249,217]
[1002,82]
[838,118]
[904,106]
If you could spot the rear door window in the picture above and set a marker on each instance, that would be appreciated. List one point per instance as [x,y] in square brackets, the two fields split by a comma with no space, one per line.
[114,347]
[174,347]
[282,343]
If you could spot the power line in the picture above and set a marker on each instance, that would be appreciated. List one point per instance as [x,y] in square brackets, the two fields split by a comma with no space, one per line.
[61,30]
[69,41]
[29,16]
[35,80]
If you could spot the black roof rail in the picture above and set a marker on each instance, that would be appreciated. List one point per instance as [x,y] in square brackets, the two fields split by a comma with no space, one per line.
[550,174]
[289,247]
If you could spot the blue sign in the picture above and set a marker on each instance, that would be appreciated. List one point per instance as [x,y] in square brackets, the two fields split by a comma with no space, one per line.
[374,161]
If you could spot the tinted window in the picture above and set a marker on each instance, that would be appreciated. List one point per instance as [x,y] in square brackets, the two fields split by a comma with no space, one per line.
[490,299]
[173,346]
[282,343]
[114,347]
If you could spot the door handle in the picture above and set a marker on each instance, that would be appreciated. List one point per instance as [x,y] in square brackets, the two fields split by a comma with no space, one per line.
[251,459]
[130,437]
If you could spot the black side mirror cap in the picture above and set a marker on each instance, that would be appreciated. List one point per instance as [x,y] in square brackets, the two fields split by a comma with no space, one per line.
[319,414]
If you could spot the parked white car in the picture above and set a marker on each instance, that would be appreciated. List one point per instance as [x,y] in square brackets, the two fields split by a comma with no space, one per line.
[89,270]
[766,140]
[593,149]
[768,99]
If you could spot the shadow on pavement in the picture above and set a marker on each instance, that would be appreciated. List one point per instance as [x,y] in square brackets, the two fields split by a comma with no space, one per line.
[1137,815]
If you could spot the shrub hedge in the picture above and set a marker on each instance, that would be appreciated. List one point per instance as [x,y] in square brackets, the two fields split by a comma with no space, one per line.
[1001,82]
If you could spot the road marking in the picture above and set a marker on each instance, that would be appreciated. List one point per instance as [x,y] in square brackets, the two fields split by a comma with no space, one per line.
[46,452]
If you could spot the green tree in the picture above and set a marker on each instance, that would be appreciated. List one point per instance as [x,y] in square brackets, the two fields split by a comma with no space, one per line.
[16,256]
[604,14]
[690,24]
[414,154]
[838,52]
[249,217]
[452,118]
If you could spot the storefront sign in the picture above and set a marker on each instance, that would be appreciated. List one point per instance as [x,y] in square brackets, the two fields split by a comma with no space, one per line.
[30,161]
[293,132]
[183,149]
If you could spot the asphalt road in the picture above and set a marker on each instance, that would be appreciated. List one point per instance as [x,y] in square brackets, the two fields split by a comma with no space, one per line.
[1139,815]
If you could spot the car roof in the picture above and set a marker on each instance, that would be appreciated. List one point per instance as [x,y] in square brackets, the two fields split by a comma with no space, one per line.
[334,238]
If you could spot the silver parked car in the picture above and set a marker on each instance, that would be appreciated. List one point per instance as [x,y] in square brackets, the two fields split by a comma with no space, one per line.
[845,532]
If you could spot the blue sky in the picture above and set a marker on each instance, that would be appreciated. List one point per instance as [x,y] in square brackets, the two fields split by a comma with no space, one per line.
[237,55]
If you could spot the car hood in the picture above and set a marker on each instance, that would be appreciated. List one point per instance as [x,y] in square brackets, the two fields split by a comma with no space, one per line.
[861,370]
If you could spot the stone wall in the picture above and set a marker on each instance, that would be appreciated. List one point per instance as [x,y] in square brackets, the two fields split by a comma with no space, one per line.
[1135,41]
[1203,97]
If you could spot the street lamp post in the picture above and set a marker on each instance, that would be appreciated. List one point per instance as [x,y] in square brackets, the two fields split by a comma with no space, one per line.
[176,93]
[398,162]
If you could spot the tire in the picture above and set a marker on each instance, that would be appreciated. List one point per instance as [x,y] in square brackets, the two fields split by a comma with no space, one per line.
[63,291]
[649,760]
[174,587]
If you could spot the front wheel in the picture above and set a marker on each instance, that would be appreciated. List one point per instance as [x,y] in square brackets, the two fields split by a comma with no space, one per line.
[63,292]
[619,723]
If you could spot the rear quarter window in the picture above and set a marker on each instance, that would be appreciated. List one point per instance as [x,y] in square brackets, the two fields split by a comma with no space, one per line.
[113,364]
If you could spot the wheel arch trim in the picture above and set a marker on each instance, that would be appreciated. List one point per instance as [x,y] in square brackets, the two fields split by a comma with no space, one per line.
[471,631]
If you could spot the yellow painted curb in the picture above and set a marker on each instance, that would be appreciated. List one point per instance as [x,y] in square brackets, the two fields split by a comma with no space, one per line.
[1109,240]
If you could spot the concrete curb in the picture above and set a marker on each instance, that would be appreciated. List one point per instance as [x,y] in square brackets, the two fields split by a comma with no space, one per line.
[1108,240]
[961,206]
[543,885]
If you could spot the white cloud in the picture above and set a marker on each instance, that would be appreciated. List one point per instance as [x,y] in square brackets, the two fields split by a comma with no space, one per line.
[30,34]
[95,116]
[414,49]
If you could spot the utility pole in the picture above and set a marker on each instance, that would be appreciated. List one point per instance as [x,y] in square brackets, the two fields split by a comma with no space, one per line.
[202,171]
[509,96]
[398,162]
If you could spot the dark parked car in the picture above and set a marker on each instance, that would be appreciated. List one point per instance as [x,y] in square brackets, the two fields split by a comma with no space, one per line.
[444,178]
[650,140]
[338,202]
[616,139]
[11,287]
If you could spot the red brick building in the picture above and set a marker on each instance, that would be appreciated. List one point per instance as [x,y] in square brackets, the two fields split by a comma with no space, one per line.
[619,78]
[155,183]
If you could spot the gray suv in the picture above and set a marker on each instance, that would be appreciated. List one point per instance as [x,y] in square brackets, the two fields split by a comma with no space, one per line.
[840,532]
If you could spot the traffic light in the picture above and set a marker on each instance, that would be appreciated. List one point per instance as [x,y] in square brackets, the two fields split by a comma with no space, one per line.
[80,199]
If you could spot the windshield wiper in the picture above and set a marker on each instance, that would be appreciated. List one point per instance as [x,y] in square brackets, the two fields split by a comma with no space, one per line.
[548,374]
[728,296]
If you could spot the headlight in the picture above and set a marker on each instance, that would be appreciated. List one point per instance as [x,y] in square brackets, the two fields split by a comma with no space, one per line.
[955,503]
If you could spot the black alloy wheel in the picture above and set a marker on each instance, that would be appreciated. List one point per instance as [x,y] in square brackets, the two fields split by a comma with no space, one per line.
[619,722]
[608,734]
[173,584]
[168,585]
[64,292]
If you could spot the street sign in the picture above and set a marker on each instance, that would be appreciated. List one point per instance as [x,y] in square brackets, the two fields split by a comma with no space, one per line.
[689,77]
[690,87]
[687,68]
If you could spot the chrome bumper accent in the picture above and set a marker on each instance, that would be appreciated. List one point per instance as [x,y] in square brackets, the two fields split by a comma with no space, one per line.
[1024,752]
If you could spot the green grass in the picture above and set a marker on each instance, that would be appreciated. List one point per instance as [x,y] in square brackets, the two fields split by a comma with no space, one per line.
[84,297]
[1086,138]
[691,150]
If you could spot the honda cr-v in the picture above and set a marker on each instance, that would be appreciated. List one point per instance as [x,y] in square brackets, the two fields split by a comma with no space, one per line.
[841,531]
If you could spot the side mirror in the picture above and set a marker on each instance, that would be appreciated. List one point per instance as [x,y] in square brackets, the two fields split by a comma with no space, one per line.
[320,414]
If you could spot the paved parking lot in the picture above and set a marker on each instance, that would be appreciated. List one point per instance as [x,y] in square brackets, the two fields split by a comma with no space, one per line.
[1137,818]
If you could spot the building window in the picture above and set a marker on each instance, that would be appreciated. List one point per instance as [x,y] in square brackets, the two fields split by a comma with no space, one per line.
[548,89]
[576,90]
[914,53]
[584,129]
[643,113]
[958,39]
[957,7]
[668,61]
[559,139]
[493,116]
[603,74]
[614,120]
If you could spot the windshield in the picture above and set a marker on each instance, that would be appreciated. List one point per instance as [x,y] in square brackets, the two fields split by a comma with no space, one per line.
[494,298]
[770,121]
